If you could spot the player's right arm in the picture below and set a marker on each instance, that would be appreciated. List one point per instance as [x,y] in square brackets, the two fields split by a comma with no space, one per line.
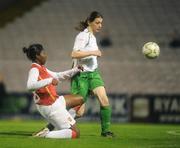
[33,83]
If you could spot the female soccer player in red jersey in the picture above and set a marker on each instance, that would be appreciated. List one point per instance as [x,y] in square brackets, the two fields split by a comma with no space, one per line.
[42,82]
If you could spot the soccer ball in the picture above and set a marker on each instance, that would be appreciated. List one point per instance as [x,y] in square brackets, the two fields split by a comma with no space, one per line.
[151,50]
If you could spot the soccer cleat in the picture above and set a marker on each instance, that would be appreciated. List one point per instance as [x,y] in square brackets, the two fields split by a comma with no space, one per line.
[42,133]
[108,134]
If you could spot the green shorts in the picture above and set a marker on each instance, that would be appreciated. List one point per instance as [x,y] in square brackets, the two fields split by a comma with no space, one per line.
[84,82]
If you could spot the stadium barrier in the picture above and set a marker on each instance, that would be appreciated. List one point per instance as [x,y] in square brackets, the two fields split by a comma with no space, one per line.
[125,108]
[155,108]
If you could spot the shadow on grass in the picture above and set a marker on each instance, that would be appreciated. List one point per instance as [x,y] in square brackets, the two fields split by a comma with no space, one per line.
[16,133]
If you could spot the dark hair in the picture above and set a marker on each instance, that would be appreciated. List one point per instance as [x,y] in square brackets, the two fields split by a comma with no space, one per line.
[84,24]
[32,51]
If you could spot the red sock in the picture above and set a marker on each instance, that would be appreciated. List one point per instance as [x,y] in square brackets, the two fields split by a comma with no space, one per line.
[74,134]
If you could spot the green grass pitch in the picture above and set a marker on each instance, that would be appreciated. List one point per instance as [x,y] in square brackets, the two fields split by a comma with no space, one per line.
[17,134]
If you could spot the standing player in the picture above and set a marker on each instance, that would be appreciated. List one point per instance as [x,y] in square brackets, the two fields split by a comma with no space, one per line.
[42,82]
[86,53]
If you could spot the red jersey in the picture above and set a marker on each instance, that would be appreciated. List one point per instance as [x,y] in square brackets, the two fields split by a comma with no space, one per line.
[48,94]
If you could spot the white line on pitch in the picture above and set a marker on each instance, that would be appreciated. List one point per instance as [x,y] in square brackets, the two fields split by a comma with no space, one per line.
[174,132]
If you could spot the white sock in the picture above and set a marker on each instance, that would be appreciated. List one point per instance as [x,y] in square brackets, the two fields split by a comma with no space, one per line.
[64,133]
[72,112]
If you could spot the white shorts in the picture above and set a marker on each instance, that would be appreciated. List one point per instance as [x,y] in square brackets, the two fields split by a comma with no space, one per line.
[57,114]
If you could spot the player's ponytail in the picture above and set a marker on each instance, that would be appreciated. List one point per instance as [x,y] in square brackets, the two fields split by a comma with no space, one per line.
[25,50]
[84,24]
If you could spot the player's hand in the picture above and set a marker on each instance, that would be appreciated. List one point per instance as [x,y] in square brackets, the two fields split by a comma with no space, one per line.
[80,68]
[55,82]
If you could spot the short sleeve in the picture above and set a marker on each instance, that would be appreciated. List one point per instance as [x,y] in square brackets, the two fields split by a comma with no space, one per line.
[80,41]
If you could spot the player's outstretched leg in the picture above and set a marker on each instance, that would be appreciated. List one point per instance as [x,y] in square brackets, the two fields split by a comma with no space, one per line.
[64,133]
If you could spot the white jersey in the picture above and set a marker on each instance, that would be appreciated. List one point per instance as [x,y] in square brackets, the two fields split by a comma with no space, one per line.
[86,41]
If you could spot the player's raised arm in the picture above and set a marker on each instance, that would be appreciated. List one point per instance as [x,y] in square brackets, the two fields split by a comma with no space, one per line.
[66,74]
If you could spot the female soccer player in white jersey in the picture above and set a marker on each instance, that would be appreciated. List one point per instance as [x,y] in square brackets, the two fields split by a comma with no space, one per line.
[42,82]
[86,53]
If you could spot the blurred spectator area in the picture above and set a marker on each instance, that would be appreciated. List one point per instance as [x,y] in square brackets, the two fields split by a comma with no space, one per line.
[130,24]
